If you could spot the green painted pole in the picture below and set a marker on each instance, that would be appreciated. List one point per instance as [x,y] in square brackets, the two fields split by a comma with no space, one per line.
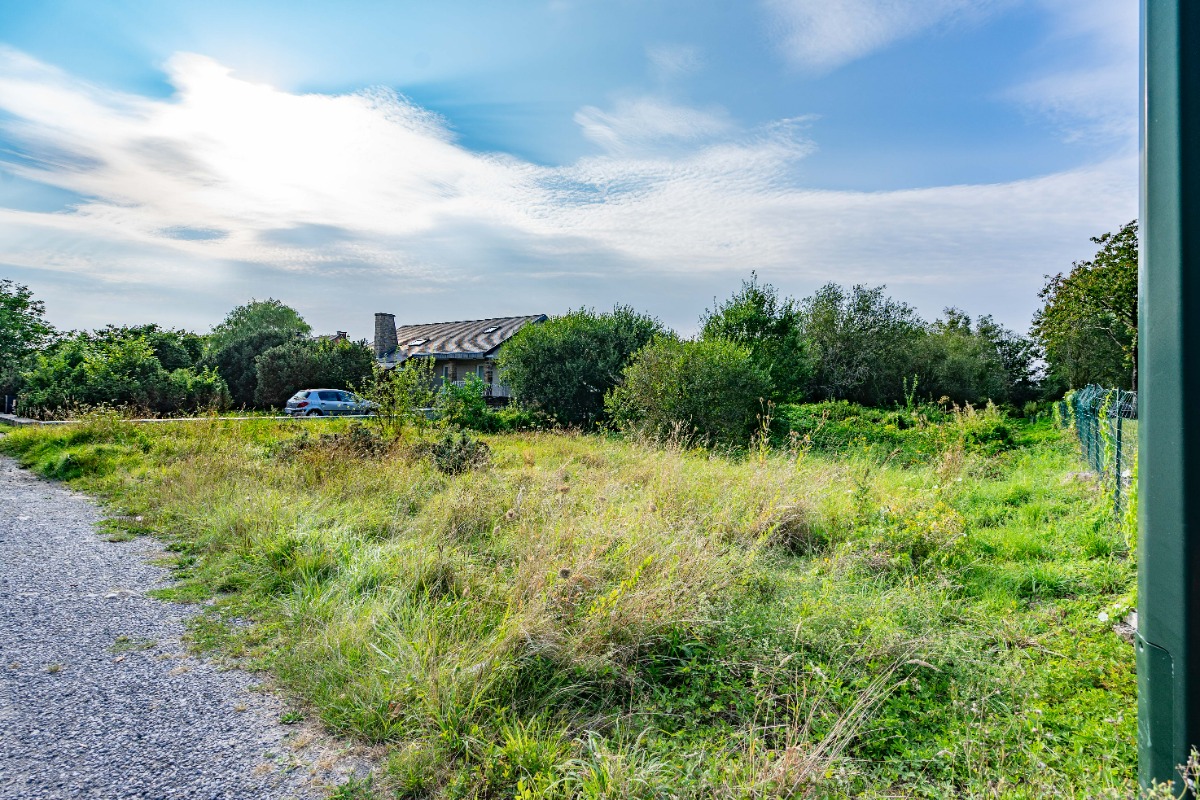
[1168,641]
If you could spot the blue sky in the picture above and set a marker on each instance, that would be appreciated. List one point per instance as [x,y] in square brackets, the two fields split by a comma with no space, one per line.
[166,161]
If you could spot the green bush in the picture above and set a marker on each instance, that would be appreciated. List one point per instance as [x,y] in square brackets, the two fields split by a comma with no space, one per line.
[87,371]
[564,367]
[456,452]
[910,435]
[709,390]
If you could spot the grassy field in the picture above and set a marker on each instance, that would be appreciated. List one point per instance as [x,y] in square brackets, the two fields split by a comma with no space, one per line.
[596,617]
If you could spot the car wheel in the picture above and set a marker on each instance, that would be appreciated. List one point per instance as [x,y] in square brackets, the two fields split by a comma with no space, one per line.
[316,412]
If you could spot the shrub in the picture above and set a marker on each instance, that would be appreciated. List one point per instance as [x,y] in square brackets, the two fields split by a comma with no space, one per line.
[712,390]
[770,327]
[88,371]
[456,452]
[564,367]
[400,395]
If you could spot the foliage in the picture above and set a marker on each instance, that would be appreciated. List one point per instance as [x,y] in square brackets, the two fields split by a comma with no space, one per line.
[455,452]
[246,333]
[770,328]
[709,390]
[237,362]
[974,364]
[914,435]
[592,617]
[103,370]
[464,406]
[174,349]
[1087,325]
[400,395]
[254,317]
[564,367]
[862,343]
[283,370]
[23,331]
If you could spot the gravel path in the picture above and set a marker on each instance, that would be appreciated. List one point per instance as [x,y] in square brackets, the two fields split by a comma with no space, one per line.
[98,698]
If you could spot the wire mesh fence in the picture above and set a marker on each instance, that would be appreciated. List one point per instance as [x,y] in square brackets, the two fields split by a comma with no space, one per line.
[1105,420]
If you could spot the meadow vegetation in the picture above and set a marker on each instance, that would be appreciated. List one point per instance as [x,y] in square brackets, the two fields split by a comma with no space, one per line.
[918,602]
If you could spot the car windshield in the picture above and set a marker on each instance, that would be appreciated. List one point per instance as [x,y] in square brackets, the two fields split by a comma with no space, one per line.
[300,396]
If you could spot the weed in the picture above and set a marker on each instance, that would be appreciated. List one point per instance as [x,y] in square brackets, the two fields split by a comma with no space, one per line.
[895,602]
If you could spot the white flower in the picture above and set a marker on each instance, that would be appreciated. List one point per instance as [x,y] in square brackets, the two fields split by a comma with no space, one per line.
[1102,616]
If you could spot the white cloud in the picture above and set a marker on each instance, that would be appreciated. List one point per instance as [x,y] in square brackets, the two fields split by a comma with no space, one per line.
[357,203]
[820,35]
[1096,97]
[670,61]
[647,123]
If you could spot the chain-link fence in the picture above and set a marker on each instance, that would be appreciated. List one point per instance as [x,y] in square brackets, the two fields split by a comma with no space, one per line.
[1106,422]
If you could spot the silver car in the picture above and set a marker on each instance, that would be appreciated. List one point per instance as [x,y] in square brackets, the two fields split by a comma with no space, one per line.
[326,402]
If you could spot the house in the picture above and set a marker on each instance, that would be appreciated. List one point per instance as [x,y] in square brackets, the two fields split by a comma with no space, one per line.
[458,349]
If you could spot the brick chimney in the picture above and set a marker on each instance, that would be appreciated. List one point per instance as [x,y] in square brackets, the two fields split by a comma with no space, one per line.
[385,334]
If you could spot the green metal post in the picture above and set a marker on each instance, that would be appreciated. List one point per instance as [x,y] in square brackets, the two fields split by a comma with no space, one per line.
[1119,487]
[1168,642]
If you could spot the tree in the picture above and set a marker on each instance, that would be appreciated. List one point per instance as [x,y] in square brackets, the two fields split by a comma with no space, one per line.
[23,331]
[770,328]
[247,332]
[565,366]
[862,343]
[236,362]
[1089,317]
[255,316]
[303,364]
[174,349]
[712,389]
[974,364]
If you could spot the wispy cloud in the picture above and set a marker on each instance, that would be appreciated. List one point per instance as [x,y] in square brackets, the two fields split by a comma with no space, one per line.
[670,61]
[1095,98]
[643,123]
[348,204]
[820,35]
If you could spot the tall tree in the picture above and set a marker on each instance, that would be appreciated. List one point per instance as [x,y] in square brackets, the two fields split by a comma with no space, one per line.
[770,327]
[23,331]
[256,316]
[1090,316]
[247,332]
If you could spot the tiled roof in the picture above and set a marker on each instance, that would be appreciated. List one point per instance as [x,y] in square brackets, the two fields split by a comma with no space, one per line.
[470,339]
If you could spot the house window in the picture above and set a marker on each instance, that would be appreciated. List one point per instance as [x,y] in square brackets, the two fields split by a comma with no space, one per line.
[481,371]
[492,329]
[417,342]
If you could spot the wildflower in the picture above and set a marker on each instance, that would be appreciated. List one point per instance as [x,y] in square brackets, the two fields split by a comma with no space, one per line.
[1102,616]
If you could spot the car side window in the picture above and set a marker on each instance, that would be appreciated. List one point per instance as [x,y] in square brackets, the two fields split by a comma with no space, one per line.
[328,396]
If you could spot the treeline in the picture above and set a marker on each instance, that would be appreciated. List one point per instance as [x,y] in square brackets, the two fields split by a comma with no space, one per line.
[255,358]
[758,348]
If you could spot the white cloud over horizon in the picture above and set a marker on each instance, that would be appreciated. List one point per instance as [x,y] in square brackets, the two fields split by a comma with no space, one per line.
[366,198]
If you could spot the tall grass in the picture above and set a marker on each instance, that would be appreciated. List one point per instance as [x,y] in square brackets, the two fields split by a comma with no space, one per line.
[594,617]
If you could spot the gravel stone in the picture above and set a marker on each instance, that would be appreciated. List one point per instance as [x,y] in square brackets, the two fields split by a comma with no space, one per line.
[78,720]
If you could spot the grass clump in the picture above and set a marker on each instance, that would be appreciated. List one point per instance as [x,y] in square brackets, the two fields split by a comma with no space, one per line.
[586,616]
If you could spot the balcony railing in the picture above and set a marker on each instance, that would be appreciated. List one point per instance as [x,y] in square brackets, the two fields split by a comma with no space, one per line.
[489,389]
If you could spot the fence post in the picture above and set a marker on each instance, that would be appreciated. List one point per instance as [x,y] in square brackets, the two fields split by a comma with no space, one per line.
[1168,637]
[1120,485]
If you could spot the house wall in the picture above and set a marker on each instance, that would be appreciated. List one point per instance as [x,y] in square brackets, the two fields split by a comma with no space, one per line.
[461,368]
